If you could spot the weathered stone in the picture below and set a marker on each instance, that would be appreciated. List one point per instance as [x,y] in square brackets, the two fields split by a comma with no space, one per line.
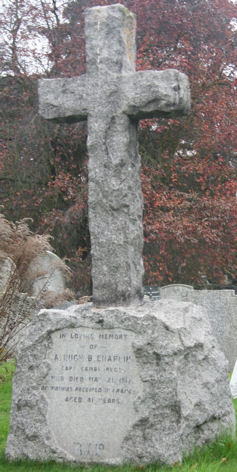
[18,312]
[46,273]
[118,385]
[7,272]
[113,97]
[233,382]
[221,306]
[180,292]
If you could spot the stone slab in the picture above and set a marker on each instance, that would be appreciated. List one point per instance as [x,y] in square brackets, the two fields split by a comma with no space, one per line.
[46,273]
[7,272]
[233,382]
[221,306]
[138,384]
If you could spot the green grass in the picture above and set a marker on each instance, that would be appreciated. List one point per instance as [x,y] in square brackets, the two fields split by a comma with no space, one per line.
[218,457]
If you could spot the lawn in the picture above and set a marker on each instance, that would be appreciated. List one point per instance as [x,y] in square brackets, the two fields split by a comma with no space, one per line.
[221,456]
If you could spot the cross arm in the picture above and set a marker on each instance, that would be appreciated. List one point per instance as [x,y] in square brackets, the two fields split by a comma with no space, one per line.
[63,100]
[149,94]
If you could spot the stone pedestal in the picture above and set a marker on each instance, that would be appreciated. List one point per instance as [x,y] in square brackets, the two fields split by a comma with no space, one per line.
[136,384]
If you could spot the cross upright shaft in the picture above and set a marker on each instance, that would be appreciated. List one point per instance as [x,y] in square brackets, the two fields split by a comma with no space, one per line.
[112,96]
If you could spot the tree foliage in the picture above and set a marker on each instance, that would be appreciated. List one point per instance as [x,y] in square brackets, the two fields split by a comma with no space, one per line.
[189,165]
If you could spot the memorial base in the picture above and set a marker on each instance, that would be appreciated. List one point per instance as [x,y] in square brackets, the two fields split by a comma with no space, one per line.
[139,384]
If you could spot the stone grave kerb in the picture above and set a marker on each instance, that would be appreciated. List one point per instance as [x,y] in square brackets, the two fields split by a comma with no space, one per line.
[112,96]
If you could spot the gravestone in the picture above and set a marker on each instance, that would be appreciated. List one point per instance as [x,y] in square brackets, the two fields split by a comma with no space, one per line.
[221,306]
[46,273]
[7,271]
[113,97]
[137,382]
[177,292]
[233,382]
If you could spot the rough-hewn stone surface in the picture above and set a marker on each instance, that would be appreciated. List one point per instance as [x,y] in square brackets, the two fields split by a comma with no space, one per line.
[113,97]
[119,384]
[221,306]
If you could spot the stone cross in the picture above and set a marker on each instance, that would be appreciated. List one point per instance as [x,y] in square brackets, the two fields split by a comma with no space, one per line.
[112,96]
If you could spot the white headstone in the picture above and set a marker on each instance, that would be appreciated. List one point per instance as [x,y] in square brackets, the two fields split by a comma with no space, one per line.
[233,382]
[45,273]
[177,292]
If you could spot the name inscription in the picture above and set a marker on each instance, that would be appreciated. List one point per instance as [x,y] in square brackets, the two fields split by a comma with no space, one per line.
[91,389]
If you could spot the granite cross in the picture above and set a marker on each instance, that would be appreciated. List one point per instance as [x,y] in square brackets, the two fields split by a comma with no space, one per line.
[112,96]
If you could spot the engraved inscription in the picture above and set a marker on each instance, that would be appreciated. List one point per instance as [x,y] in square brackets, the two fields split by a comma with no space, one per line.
[91,390]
